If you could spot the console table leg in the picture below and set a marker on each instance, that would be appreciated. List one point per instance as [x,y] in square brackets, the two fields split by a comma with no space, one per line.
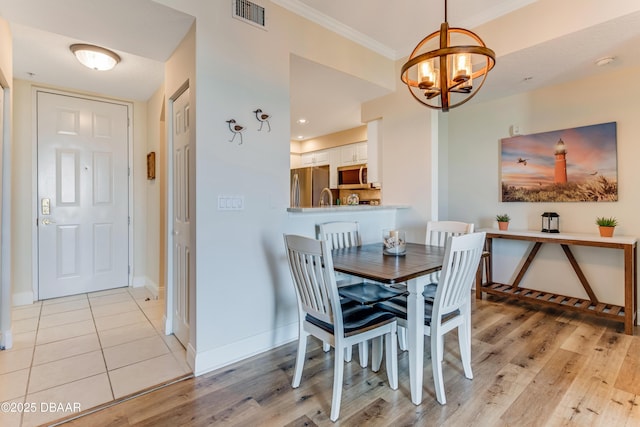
[630,290]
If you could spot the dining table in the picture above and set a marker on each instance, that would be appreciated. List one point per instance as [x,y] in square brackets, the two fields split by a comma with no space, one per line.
[412,269]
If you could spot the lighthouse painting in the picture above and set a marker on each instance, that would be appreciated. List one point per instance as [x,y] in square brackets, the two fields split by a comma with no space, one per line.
[569,165]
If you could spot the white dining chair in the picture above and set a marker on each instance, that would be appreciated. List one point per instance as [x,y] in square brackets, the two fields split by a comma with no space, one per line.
[436,235]
[451,307]
[341,323]
[346,234]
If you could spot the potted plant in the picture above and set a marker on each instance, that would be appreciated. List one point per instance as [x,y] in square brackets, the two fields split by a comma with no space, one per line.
[503,221]
[606,225]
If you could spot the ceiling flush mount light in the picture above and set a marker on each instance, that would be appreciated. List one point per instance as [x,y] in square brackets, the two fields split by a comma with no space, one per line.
[605,61]
[95,57]
[440,71]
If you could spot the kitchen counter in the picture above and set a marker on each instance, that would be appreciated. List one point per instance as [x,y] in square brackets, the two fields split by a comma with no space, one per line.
[345,208]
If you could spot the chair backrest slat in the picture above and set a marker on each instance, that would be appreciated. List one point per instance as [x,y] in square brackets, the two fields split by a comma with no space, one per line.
[314,280]
[462,258]
[340,234]
[439,231]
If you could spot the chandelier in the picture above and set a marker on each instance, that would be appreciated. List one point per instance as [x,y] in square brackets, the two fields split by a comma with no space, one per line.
[440,74]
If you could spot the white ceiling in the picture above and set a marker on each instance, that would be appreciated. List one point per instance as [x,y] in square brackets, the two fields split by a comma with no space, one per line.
[142,32]
[145,33]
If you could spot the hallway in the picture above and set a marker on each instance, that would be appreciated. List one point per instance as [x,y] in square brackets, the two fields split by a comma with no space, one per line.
[73,353]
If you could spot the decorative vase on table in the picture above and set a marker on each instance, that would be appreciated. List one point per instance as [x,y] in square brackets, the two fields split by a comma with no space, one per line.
[394,242]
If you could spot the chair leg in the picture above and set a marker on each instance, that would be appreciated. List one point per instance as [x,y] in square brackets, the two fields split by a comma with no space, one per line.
[464,341]
[338,371]
[376,354]
[436,366]
[326,346]
[402,338]
[348,351]
[302,350]
[363,348]
[392,359]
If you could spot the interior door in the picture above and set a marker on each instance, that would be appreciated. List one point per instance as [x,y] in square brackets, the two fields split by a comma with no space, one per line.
[183,256]
[83,243]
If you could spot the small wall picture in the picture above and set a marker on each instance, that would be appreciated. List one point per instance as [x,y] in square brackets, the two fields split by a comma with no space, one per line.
[151,165]
[569,165]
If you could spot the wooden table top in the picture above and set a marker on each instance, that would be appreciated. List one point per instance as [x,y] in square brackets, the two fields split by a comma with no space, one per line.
[369,262]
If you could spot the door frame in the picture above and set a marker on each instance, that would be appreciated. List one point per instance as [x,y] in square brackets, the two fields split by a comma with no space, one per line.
[6,338]
[34,176]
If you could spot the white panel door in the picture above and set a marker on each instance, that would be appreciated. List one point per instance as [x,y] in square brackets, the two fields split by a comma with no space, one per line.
[83,232]
[183,203]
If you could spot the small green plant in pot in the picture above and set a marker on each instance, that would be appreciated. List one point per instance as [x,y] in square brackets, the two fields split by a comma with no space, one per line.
[503,221]
[606,225]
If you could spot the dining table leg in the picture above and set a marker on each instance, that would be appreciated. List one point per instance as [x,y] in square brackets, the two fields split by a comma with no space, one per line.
[415,336]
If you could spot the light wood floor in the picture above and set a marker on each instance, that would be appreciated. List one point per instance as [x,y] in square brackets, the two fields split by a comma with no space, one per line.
[532,367]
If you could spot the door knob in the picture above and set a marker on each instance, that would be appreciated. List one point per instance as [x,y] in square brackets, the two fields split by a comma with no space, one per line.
[47,221]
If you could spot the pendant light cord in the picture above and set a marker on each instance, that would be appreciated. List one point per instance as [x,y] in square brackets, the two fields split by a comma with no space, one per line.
[445,11]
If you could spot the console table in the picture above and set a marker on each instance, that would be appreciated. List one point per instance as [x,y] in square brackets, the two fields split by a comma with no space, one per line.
[626,313]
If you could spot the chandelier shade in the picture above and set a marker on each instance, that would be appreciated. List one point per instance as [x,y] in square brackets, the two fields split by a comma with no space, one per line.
[443,75]
[95,57]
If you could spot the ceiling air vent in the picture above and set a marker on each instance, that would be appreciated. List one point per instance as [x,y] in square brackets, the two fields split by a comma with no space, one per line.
[249,12]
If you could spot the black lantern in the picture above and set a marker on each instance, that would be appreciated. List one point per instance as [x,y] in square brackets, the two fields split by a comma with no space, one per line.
[550,222]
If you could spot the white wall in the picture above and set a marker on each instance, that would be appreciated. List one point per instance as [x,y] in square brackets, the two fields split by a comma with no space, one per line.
[474,166]
[155,227]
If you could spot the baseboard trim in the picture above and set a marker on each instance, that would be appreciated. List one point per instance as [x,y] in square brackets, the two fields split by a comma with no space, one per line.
[6,339]
[22,298]
[139,281]
[191,357]
[150,285]
[153,288]
[210,360]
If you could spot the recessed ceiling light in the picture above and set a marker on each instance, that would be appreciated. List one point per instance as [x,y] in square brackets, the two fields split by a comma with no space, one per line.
[300,136]
[302,121]
[604,61]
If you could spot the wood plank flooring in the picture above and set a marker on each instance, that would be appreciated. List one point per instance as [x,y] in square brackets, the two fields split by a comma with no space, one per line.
[532,366]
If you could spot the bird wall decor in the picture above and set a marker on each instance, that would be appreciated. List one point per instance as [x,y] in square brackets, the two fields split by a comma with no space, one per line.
[236,129]
[262,118]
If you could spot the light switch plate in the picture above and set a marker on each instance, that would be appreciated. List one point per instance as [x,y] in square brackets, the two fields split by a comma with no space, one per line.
[230,203]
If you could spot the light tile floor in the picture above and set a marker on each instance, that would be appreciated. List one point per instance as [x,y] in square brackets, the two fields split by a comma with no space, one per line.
[81,351]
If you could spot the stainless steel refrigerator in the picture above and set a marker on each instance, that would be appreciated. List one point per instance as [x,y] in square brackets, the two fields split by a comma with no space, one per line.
[307,184]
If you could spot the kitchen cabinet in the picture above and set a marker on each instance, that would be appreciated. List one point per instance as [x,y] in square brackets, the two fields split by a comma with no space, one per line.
[315,158]
[353,154]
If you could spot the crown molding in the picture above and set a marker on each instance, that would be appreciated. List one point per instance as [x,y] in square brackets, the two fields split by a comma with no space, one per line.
[337,27]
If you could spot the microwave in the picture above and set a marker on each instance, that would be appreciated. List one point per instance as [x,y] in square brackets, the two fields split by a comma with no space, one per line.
[352,177]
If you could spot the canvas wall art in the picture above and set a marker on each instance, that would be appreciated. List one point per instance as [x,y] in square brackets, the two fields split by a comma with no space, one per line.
[569,165]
